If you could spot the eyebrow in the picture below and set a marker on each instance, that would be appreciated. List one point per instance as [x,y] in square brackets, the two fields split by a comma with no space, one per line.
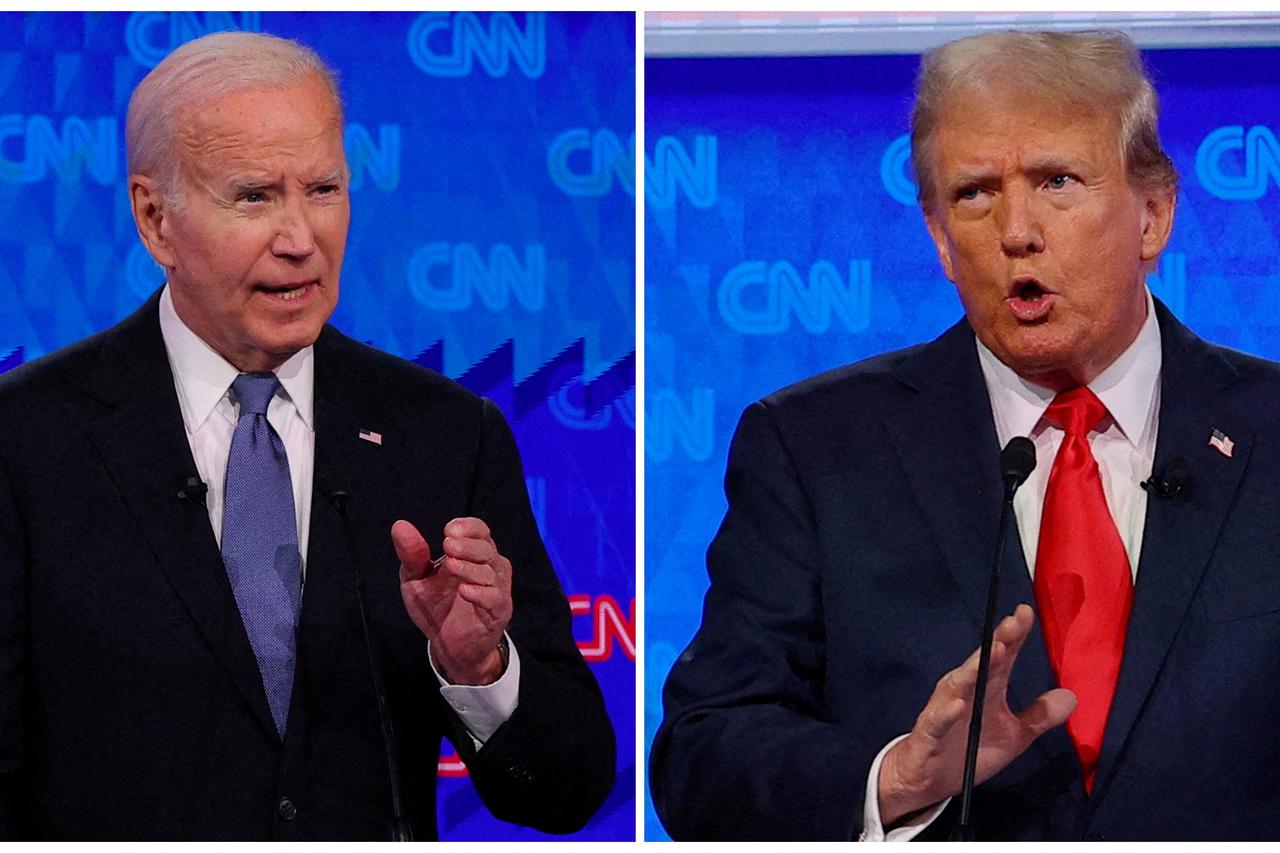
[969,178]
[1056,162]
[334,177]
[245,182]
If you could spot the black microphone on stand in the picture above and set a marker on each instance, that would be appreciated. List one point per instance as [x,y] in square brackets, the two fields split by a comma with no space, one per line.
[333,485]
[1017,461]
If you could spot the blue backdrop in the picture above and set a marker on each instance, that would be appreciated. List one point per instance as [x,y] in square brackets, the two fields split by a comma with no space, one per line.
[483,243]
[782,238]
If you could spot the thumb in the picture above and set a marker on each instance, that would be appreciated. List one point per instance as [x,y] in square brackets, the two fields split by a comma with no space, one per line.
[412,549]
[1050,710]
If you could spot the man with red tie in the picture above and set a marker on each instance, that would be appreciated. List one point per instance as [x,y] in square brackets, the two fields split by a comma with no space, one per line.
[827,694]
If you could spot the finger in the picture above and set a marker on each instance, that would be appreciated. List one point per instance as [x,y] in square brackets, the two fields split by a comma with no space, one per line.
[471,550]
[412,549]
[1017,626]
[467,528]
[502,568]
[492,605]
[1009,636]
[941,715]
[480,574]
[1051,709]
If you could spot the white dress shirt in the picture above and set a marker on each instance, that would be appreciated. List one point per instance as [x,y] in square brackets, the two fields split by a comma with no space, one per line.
[203,380]
[1124,446]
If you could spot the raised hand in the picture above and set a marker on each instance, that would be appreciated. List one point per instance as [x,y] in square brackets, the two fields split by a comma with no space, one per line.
[926,767]
[461,602]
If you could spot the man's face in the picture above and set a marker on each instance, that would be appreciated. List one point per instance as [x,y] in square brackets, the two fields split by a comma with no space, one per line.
[254,251]
[1046,241]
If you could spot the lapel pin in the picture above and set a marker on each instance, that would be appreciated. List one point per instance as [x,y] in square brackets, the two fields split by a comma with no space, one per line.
[376,437]
[1221,442]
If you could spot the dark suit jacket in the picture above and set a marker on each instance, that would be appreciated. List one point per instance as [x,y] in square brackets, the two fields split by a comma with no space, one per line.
[850,573]
[130,701]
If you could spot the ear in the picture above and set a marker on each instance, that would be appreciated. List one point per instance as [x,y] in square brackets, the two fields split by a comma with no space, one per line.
[939,234]
[150,215]
[1157,222]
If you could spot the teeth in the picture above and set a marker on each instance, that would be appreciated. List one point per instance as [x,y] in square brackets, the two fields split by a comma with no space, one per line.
[290,295]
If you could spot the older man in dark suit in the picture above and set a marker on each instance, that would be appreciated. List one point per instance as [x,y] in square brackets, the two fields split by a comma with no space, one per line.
[827,694]
[188,501]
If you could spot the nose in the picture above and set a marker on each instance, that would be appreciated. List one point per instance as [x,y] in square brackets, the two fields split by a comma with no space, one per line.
[1021,232]
[295,238]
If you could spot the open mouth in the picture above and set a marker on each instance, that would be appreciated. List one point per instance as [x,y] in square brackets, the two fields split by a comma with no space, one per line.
[1029,291]
[1029,300]
[288,292]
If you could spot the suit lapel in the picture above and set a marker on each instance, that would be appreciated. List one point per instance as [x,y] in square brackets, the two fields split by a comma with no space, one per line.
[945,436]
[144,447]
[328,623]
[1179,536]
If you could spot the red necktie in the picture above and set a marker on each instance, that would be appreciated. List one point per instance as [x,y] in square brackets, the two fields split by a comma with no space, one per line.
[1083,585]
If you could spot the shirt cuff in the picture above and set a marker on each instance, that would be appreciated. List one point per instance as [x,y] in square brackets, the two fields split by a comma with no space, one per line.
[483,708]
[872,830]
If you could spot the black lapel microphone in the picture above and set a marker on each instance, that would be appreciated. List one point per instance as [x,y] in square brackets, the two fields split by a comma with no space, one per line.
[1017,461]
[334,486]
[193,490]
[1174,485]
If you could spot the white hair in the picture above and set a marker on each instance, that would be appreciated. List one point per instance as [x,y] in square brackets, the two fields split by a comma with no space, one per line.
[201,71]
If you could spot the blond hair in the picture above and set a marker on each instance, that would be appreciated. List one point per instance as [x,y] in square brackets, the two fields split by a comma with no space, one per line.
[1098,73]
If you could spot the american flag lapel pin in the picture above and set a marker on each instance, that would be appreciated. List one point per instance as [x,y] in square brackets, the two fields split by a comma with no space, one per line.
[1221,442]
[376,437]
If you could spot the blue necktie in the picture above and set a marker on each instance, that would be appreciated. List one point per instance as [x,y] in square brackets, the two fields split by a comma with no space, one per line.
[260,540]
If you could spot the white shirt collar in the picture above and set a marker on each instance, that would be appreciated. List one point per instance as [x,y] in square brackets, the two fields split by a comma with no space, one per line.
[1127,388]
[204,376]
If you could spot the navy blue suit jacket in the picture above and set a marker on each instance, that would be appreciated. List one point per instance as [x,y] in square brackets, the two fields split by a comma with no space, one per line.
[850,573]
[130,701]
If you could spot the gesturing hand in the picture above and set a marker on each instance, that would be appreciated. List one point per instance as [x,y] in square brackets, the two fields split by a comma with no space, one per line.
[462,602]
[926,766]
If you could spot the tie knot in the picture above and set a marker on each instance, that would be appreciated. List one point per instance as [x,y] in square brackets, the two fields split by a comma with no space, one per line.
[254,392]
[1078,411]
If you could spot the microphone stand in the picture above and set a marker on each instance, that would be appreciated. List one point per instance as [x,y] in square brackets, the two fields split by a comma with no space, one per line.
[1017,460]
[400,827]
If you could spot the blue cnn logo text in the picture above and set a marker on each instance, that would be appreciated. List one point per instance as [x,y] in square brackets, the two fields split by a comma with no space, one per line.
[671,420]
[78,146]
[1235,164]
[445,44]
[151,36]
[443,277]
[380,161]
[673,169]
[566,407]
[582,162]
[895,171]
[760,298]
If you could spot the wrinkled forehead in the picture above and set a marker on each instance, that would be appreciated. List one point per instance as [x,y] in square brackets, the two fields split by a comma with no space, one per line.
[1014,98]
[1002,116]
[298,122]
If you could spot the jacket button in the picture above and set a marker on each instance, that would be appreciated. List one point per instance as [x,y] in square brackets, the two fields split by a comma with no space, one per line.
[286,809]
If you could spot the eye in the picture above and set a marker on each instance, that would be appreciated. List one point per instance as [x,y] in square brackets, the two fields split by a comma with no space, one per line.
[968,193]
[327,189]
[252,196]
[1060,182]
